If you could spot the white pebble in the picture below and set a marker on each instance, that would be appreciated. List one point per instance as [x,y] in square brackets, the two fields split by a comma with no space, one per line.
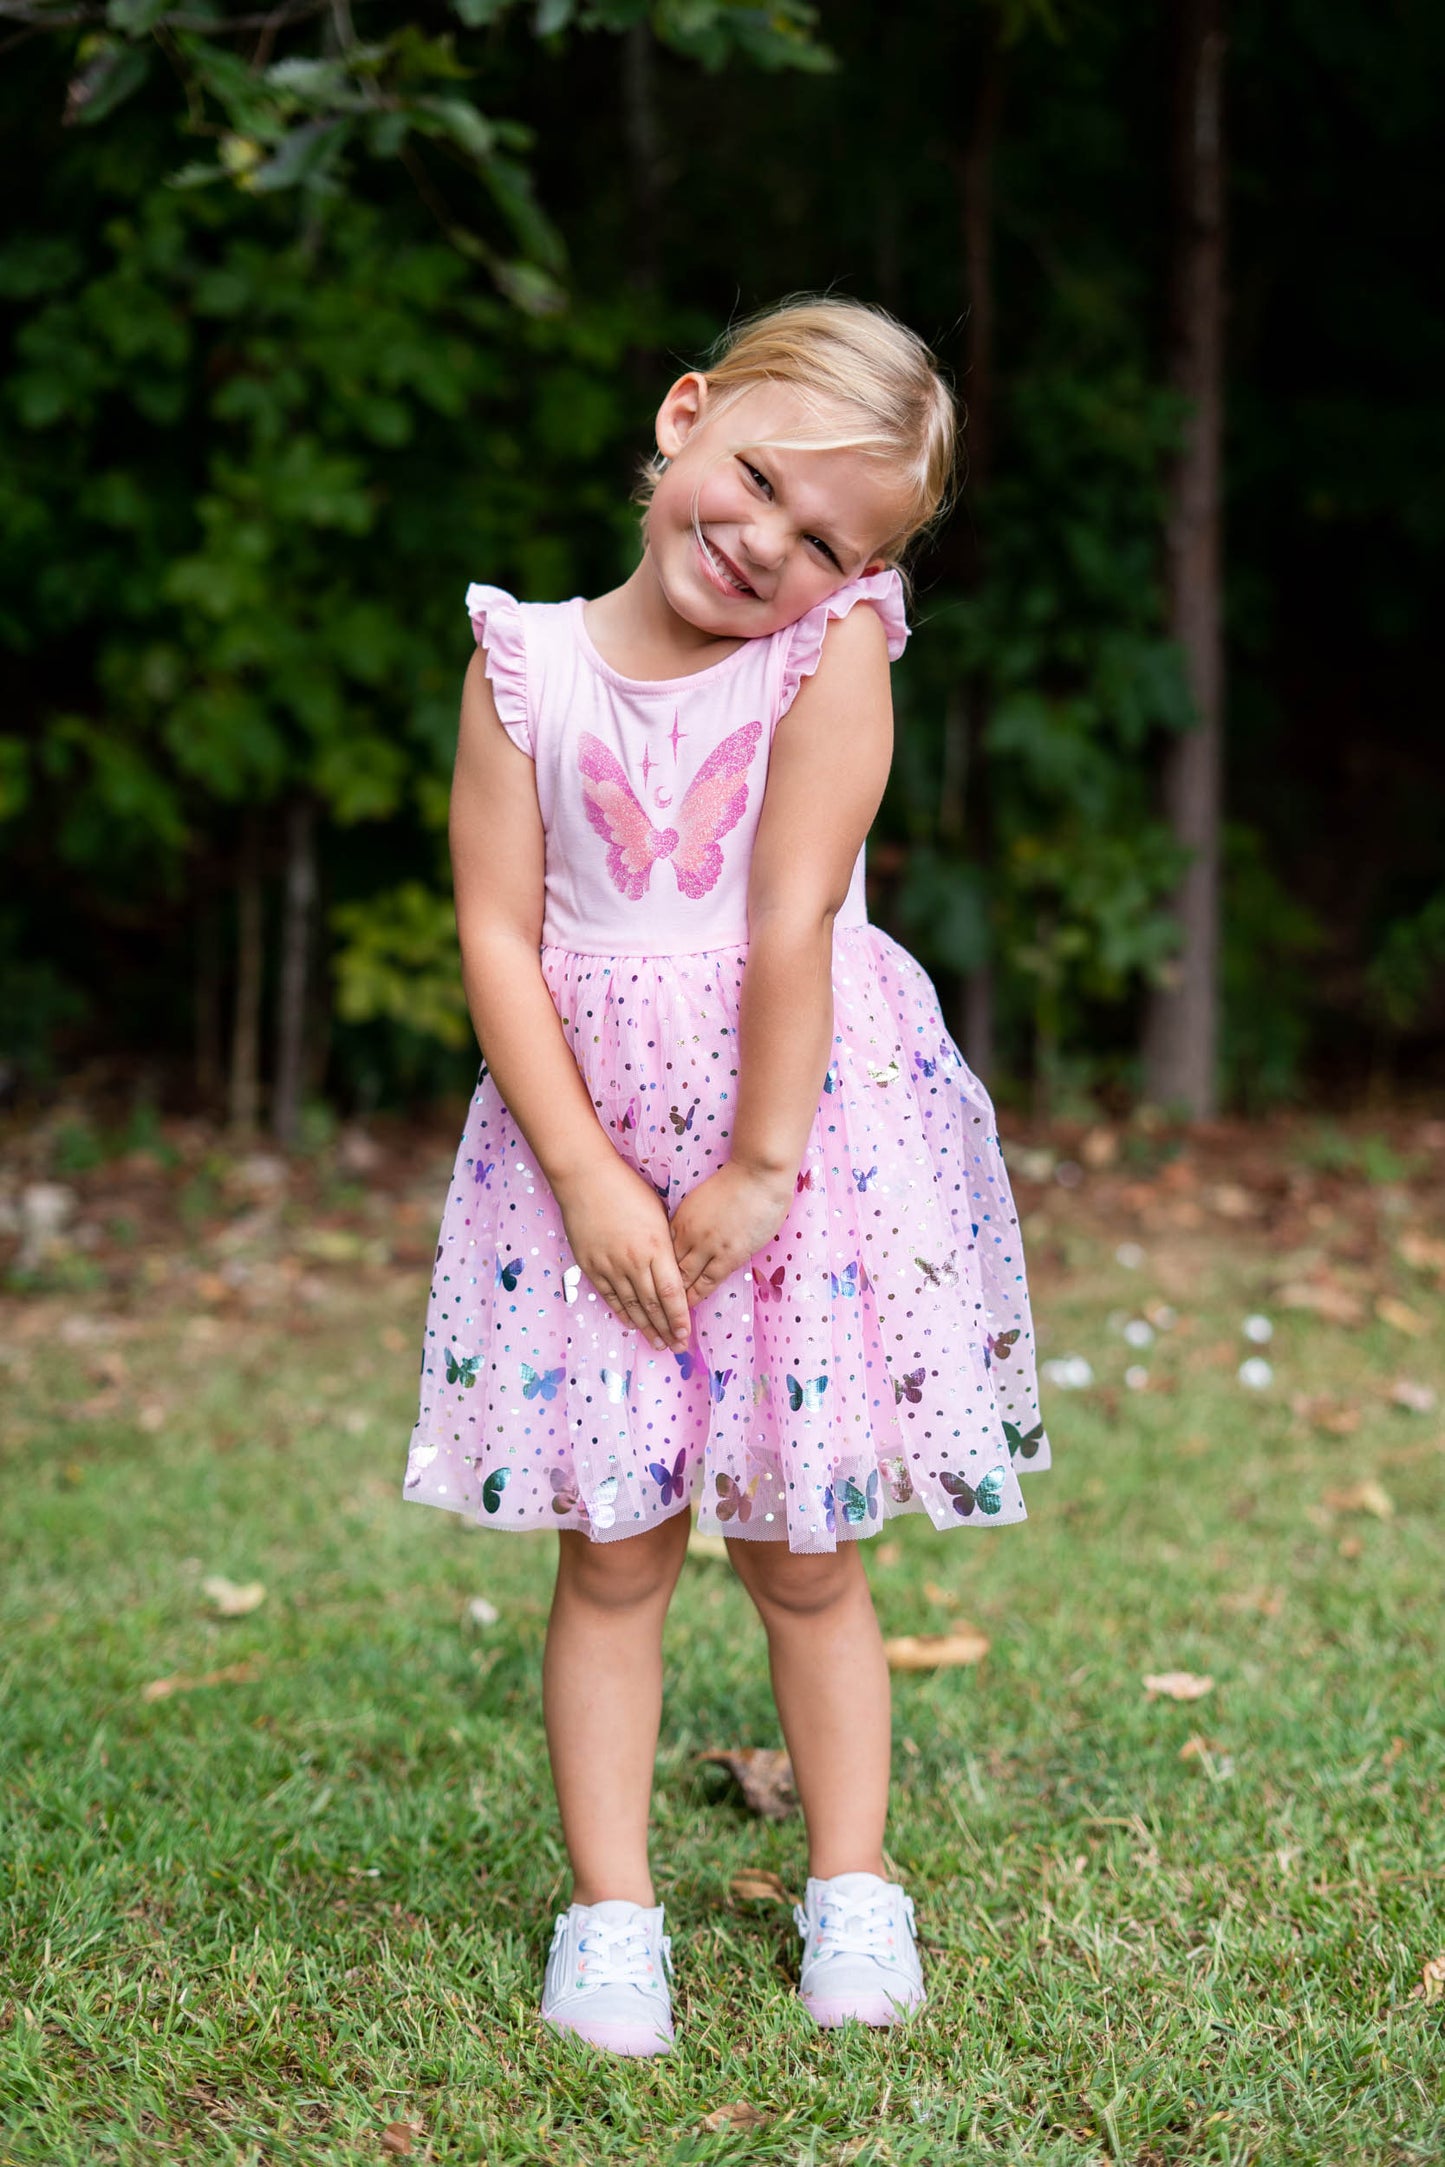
[1136,1377]
[1258,1330]
[1130,1255]
[1256,1373]
[481,1612]
[1071,1373]
[1138,1334]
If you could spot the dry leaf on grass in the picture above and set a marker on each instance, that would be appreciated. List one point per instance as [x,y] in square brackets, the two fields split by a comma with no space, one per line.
[1367,1496]
[755,1885]
[1416,1399]
[738,2114]
[1325,1297]
[763,1774]
[937,1651]
[1432,1980]
[1337,1417]
[944,1597]
[1400,1316]
[1422,1251]
[1193,1747]
[232,1598]
[398,2139]
[1176,1685]
[180,1682]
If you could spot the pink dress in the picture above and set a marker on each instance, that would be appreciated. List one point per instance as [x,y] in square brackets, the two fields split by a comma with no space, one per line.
[878,1356]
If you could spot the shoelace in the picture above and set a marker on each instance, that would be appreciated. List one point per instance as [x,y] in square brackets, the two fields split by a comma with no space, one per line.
[615,1954]
[855,1926]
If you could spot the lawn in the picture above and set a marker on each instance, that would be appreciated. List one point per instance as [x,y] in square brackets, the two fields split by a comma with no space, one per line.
[298,1914]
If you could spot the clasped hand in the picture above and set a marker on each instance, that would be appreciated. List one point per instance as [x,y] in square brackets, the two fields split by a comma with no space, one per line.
[652,1272]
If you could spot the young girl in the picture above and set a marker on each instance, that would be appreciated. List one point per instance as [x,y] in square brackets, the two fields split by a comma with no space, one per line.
[729,1226]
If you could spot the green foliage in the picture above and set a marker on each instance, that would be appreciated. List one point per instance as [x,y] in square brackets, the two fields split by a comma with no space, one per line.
[1407,973]
[399,962]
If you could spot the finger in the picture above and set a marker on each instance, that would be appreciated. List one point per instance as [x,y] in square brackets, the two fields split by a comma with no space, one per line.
[659,1330]
[671,1293]
[638,1314]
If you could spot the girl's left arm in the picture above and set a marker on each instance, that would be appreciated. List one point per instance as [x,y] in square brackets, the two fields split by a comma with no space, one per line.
[826,775]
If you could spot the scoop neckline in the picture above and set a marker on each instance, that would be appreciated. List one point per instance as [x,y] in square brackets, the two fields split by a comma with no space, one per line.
[605,669]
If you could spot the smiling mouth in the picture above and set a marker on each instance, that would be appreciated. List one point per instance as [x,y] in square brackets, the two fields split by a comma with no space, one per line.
[723,573]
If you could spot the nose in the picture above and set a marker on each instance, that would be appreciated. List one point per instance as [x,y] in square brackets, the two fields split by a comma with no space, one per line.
[764,540]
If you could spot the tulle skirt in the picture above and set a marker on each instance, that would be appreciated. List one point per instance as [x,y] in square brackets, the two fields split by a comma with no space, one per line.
[876,1358]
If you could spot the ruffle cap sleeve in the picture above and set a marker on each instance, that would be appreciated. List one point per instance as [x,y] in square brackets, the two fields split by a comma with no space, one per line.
[497,623]
[804,648]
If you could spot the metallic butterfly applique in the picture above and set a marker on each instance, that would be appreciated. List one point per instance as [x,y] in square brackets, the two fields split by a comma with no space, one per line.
[618,1384]
[898,1479]
[683,1122]
[601,1510]
[924,1066]
[1026,1442]
[940,1275]
[493,1487]
[541,1381]
[1003,1347]
[807,1393]
[670,1480]
[910,1387]
[769,1289]
[853,1279]
[862,1177]
[858,1505]
[733,1502]
[463,1369]
[887,1074]
[571,1281]
[986,1493]
[509,1271]
[717,1384]
[482,1171]
[804,1181]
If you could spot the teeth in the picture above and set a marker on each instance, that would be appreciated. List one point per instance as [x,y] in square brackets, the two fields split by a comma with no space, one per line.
[740,586]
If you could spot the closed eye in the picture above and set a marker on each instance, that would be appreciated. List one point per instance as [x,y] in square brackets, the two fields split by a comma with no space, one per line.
[818,543]
[755,474]
[761,479]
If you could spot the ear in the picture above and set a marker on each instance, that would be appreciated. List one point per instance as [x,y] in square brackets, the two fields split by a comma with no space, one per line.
[680,412]
[878,564]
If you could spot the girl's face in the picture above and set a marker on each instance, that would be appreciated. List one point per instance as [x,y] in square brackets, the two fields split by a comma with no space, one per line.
[775,531]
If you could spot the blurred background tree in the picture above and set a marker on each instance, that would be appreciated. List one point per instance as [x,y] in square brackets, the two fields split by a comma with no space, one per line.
[311,314]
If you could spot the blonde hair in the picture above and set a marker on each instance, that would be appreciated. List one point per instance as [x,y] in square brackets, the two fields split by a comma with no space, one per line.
[848,355]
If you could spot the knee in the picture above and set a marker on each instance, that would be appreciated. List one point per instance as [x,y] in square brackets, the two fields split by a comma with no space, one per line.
[785,1585]
[628,1574]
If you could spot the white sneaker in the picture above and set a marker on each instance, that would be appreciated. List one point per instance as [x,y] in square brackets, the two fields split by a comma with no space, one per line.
[859,1956]
[607,1974]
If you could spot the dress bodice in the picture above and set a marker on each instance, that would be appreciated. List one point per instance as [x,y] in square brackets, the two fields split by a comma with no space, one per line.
[650,790]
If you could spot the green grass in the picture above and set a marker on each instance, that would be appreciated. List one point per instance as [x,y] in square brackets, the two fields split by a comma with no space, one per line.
[259,1922]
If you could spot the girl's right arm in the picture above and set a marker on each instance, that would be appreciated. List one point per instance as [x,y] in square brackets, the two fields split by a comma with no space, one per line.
[616,1226]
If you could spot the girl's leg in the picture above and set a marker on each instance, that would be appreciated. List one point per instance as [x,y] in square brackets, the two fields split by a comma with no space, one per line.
[602,1697]
[830,1681]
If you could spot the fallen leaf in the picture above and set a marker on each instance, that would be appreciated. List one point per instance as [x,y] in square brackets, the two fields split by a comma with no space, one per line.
[1367,1496]
[1099,1148]
[755,1885]
[231,1598]
[398,2139]
[1325,1297]
[1337,1417]
[888,1553]
[180,1682]
[944,1597]
[1230,1201]
[738,2114]
[1351,1547]
[394,1340]
[937,1651]
[1177,1685]
[1259,1602]
[1416,1399]
[1422,1251]
[1400,1316]
[1392,1752]
[1193,1747]
[763,1774]
[1432,1980]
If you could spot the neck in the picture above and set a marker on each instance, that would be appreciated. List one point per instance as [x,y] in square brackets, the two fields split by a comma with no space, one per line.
[638,618]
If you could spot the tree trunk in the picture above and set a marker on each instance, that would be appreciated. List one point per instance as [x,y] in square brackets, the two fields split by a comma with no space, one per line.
[972,716]
[207,1006]
[1182,1026]
[245,1091]
[298,913]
